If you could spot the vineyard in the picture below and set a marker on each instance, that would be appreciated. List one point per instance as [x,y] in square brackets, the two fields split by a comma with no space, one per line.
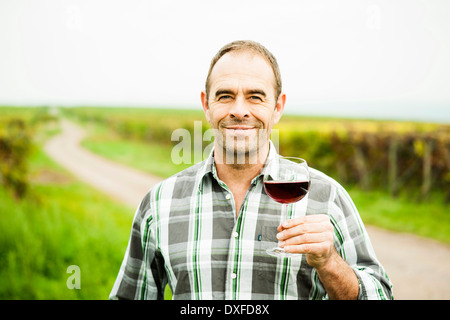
[397,156]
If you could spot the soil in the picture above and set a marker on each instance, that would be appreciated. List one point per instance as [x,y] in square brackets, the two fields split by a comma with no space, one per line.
[419,268]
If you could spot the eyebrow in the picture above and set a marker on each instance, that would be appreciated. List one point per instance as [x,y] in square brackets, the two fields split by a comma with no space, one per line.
[248,92]
[256,91]
[223,91]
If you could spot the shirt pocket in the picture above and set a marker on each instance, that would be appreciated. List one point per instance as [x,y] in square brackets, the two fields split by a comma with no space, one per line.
[268,238]
[277,274]
[266,265]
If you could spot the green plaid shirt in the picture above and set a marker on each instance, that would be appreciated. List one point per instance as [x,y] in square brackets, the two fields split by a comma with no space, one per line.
[185,233]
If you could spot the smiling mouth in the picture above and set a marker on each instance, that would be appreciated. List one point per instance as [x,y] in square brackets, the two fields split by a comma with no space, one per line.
[240,132]
[239,128]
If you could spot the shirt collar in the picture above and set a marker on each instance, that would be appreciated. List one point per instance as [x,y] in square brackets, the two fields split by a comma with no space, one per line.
[210,166]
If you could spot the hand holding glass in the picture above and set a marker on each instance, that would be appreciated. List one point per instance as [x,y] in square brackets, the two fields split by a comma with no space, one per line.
[286,180]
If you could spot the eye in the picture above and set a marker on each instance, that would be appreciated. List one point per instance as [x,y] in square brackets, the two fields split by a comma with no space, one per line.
[224,98]
[255,98]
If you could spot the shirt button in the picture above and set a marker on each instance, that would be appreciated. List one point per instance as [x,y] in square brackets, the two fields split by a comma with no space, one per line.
[228,196]
[235,234]
[233,276]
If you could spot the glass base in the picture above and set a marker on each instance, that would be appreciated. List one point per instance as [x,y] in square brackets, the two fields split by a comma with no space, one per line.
[279,252]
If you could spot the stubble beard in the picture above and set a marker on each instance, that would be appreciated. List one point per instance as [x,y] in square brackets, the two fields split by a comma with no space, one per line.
[241,151]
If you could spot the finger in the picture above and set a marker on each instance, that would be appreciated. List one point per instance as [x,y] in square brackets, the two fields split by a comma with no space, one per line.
[301,229]
[316,218]
[291,223]
[307,228]
[306,238]
[320,248]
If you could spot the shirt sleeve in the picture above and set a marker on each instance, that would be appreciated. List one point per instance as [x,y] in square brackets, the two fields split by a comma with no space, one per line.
[142,275]
[353,244]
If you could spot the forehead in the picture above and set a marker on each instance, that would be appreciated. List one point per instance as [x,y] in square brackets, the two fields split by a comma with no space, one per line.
[242,69]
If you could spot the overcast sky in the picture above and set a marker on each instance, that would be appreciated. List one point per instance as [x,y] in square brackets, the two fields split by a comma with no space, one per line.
[350,57]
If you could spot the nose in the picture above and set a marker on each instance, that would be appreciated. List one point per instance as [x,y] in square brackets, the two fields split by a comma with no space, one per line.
[239,109]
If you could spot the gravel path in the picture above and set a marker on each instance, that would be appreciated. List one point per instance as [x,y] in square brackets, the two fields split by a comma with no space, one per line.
[419,268]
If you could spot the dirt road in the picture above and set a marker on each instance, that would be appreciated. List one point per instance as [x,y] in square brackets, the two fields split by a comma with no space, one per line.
[419,268]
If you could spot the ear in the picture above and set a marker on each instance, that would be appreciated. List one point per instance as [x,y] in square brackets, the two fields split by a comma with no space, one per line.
[279,108]
[204,99]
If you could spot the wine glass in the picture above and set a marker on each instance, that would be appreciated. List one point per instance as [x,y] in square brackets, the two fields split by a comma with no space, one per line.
[286,180]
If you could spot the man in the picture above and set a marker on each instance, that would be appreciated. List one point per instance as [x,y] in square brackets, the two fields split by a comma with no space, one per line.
[205,230]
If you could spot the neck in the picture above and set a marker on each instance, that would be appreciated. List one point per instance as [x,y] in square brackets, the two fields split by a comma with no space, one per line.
[240,169]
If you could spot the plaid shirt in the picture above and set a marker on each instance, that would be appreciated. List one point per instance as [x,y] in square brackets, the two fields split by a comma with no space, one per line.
[185,233]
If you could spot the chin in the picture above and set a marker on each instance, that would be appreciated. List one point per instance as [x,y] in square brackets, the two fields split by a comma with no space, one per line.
[242,154]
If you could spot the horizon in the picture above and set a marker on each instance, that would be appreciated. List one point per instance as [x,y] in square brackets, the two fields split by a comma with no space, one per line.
[390,57]
[381,115]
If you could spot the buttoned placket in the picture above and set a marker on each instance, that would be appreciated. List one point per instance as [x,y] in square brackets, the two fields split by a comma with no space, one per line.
[232,280]
[232,271]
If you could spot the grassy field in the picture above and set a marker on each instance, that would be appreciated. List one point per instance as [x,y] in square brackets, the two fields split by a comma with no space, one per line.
[151,157]
[428,219]
[60,223]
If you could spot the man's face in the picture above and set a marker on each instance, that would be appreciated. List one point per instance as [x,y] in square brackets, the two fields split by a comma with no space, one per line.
[241,103]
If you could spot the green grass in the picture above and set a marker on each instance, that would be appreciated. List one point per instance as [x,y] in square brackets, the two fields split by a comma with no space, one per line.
[61,222]
[429,218]
[55,226]
[150,157]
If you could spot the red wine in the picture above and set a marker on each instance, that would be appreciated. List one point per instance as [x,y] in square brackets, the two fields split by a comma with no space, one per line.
[286,191]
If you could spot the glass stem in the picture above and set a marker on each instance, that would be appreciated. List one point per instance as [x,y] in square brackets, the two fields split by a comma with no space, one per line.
[284,213]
